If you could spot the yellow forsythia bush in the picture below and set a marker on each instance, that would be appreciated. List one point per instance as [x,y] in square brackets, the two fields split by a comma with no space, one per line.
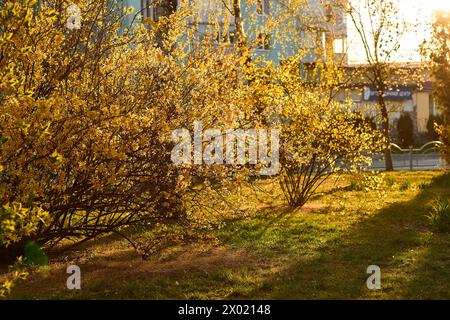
[86,117]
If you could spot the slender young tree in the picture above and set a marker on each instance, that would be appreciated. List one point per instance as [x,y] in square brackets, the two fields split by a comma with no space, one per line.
[381,27]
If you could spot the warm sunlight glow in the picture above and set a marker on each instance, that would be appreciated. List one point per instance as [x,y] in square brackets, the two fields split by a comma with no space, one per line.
[416,12]
[443,5]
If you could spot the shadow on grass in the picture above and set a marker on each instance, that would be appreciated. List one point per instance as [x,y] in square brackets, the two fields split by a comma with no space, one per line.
[339,270]
[431,275]
[414,261]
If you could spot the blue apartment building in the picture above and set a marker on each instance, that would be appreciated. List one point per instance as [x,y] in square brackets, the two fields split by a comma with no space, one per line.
[317,33]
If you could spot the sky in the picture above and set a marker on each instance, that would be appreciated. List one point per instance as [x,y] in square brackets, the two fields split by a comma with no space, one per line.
[412,10]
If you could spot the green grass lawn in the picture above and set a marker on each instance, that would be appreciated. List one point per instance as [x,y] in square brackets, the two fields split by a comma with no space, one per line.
[319,252]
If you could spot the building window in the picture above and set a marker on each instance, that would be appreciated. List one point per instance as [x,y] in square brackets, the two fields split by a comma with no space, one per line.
[165,8]
[147,10]
[340,17]
[263,7]
[264,41]
[339,46]
[334,14]
[226,37]
[153,10]
[432,105]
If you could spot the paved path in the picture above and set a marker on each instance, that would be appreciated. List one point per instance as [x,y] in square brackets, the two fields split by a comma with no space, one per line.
[420,162]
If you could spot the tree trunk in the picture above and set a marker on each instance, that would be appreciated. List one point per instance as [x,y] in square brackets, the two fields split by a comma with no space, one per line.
[385,127]
[388,159]
[242,40]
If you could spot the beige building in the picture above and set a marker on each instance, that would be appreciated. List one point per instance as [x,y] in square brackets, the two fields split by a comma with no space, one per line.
[411,96]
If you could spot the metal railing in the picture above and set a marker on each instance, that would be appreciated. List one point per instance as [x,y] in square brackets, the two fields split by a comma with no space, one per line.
[426,157]
[413,156]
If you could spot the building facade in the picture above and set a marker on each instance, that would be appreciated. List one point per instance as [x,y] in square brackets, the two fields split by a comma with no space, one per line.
[408,96]
[319,26]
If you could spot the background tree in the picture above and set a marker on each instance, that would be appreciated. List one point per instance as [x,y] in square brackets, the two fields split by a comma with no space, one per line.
[439,53]
[405,130]
[380,26]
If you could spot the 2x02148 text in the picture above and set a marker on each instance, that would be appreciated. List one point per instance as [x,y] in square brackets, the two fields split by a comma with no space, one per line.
[226,309]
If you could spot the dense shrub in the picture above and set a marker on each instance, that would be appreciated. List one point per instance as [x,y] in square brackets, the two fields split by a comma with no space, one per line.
[319,136]
[86,120]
